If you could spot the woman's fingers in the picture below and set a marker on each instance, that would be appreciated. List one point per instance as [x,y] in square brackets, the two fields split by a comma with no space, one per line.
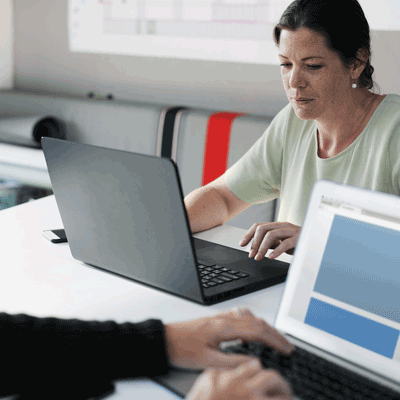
[248,235]
[250,328]
[280,236]
[286,246]
[256,234]
[248,381]
[271,384]
[264,238]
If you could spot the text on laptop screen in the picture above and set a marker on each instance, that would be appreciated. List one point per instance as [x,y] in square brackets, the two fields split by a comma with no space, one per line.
[351,284]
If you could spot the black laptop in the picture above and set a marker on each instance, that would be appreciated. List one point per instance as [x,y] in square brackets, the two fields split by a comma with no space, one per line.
[123,212]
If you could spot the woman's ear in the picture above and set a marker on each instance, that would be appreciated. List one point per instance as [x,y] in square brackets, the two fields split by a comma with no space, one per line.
[359,63]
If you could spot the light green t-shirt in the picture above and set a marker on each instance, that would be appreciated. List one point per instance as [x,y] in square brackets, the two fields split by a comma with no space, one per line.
[284,162]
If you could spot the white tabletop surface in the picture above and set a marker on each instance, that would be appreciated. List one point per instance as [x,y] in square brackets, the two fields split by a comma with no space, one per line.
[42,279]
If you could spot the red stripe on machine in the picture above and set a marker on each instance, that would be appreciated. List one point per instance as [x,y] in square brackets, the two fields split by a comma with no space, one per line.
[217,145]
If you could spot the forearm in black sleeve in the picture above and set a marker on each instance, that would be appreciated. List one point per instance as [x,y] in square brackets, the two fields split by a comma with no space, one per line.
[69,353]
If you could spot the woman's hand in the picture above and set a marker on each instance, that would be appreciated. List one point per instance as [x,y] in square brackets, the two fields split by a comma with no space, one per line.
[195,344]
[249,381]
[280,236]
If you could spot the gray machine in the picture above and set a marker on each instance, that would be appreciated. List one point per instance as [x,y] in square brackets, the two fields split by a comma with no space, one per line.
[123,212]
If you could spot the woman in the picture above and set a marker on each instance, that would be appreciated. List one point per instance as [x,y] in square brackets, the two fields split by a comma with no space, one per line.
[334,127]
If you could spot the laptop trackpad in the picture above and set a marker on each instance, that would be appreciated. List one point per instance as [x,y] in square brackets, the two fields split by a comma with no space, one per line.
[217,253]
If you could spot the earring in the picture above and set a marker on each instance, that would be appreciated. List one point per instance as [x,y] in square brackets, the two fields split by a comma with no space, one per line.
[354,85]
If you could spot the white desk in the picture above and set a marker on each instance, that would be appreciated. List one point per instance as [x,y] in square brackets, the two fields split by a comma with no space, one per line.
[42,279]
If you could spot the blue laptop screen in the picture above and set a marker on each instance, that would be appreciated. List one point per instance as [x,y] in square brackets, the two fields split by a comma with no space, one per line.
[356,290]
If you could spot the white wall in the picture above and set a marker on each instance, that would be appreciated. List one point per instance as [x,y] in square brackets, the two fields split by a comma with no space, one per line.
[386,60]
[6,45]
[43,63]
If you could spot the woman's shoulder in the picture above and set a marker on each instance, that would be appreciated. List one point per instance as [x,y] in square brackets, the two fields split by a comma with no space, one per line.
[389,118]
[387,115]
[385,124]
[390,105]
[392,98]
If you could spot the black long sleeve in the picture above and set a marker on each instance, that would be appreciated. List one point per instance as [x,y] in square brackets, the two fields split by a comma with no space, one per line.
[55,358]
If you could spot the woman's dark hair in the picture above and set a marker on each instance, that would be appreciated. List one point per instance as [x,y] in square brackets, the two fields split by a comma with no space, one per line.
[341,22]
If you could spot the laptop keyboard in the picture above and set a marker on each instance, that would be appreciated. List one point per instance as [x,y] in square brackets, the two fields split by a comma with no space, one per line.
[316,378]
[213,275]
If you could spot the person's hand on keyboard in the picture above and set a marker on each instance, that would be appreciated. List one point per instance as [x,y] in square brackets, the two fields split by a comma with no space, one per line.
[279,236]
[248,381]
[196,344]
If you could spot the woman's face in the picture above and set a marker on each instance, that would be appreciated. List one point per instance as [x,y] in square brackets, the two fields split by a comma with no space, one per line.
[316,81]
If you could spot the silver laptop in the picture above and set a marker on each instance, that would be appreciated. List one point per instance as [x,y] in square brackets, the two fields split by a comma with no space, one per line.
[342,296]
[341,304]
[123,212]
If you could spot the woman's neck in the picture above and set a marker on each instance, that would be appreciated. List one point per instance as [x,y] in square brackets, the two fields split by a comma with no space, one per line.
[336,132]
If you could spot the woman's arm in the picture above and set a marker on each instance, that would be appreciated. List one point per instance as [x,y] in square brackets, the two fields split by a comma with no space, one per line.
[212,205]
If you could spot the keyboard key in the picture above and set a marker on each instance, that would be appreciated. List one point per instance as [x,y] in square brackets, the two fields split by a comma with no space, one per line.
[230,276]
[242,274]
[216,280]
[224,278]
[233,271]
